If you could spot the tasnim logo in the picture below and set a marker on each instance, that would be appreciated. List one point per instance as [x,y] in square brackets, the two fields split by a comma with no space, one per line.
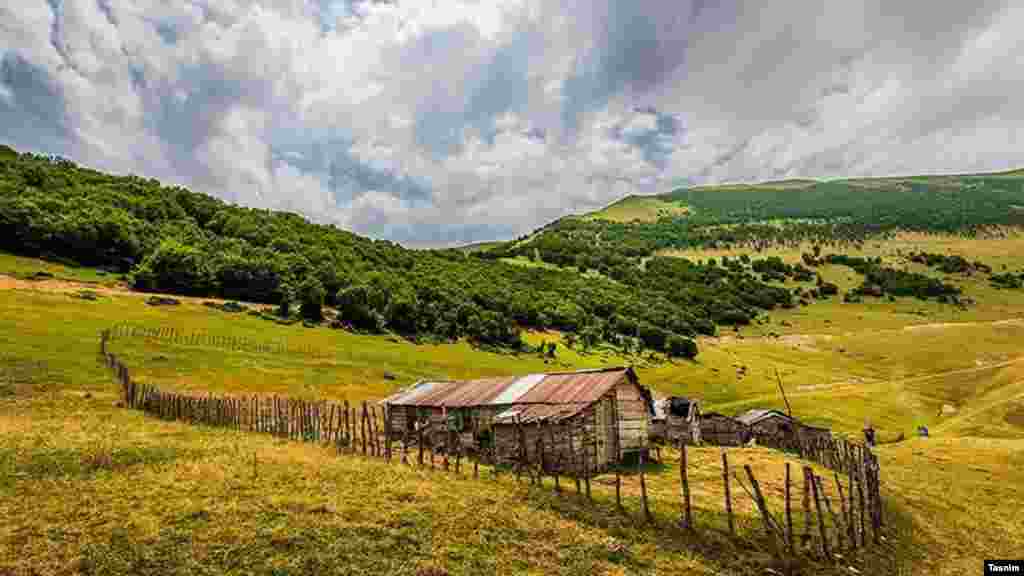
[998,567]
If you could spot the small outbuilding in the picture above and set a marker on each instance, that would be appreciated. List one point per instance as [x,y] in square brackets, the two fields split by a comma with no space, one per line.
[587,419]
[776,428]
[676,419]
[721,430]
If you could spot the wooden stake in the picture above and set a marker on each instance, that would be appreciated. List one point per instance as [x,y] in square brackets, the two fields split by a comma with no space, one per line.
[728,493]
[836,522]
[643,486]
[821,517]
[685,481]
[789,514]
[846,514]
[806,536]
[859,477]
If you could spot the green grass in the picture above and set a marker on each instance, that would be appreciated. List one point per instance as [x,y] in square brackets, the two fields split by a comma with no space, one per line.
[88,487]
[24,267]
[642,208]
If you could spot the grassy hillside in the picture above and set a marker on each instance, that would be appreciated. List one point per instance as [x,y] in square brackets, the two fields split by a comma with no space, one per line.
[93,488]
[639,208]
[89,487]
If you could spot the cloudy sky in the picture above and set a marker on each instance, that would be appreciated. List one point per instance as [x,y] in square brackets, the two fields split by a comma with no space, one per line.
[444,122]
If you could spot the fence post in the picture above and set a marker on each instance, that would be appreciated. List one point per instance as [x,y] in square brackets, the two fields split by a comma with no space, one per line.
[728,492]
[789,514]
[806,536]
[821,517]
[762,507]
[685,481]
[643,486]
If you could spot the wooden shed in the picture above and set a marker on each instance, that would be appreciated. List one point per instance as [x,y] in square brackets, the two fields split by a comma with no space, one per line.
[721,430]
[603,413]
[770,427]
[676,419]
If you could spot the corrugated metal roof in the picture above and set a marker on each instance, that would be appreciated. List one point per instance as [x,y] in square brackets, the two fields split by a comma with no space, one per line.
[519,387]
[584,386]
[532,413]
[409,395]
[751,417]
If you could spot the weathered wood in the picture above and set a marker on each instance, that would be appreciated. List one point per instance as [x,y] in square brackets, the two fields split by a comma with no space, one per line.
[458,455]
[387,432]
[826,550]
[684,479]
[836,522]
[573,460]
[847,521]
[728,493]
[806,536]
[519,449]
[789,514]
[859,478]
[586,466]
[363,424]
[643,486]
[419,441]
[375,439]
[762,507]
[348,426]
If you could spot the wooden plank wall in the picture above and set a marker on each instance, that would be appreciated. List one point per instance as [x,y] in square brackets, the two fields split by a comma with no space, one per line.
[634,418]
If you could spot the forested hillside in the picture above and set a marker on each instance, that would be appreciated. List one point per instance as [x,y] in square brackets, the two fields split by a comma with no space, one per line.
[757,216]
[172,240]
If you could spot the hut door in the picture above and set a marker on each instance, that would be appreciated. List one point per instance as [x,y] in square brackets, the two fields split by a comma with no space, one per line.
[609,432]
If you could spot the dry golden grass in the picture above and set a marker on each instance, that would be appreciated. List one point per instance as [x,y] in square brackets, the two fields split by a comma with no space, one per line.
[86,487]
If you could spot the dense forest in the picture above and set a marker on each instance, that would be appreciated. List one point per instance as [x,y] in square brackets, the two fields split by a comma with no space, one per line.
[172,240]
[832,214]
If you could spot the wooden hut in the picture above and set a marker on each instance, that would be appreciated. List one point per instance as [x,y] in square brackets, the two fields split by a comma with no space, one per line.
[721,430]
[584,419]
[768,426]
[676,419]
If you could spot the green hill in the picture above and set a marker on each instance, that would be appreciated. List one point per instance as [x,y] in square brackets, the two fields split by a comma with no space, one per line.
[169,239]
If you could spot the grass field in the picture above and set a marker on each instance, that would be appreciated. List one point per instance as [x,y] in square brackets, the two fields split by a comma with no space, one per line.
[642,208]
[86,487]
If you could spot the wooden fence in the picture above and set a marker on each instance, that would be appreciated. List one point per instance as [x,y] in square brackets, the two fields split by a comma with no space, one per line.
[234,343]
[848,518]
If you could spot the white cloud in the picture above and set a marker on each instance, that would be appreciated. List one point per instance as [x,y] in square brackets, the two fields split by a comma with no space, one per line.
[463,120]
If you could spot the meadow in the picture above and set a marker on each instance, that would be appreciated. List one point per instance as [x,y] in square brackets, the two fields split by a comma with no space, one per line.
[90,487]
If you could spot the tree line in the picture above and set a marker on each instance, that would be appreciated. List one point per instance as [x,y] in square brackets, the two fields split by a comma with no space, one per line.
[169,239]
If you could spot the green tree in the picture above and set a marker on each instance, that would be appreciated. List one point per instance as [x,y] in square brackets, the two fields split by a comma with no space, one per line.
[311,299]
[284,305]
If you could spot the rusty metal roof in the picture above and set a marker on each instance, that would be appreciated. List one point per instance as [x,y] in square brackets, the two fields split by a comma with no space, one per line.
[583,386]
[574,387]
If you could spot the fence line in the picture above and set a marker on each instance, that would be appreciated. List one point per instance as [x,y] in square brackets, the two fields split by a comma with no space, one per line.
[234,343]
[359,430]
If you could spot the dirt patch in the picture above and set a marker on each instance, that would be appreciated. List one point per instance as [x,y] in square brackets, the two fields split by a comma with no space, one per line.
[800,341]
[1015,417]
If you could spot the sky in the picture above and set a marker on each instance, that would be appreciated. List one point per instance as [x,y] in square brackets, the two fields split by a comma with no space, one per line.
[437,123]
